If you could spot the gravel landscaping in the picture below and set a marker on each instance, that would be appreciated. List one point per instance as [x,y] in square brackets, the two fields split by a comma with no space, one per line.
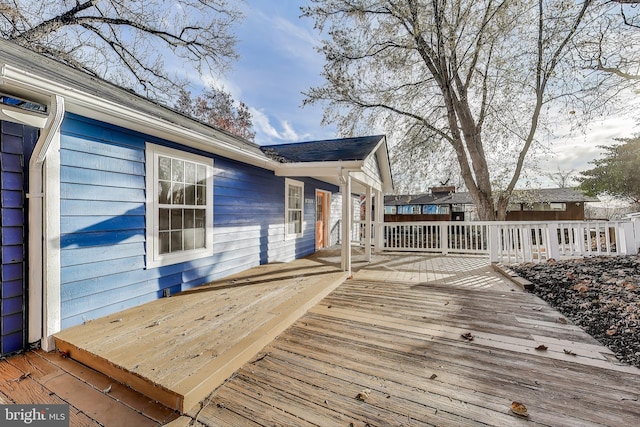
[599,294]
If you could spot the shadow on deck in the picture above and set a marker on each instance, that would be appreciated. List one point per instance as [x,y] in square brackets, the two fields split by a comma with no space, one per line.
[177,350]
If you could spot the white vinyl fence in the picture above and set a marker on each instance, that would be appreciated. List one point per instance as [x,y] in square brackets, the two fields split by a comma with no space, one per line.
[509,242]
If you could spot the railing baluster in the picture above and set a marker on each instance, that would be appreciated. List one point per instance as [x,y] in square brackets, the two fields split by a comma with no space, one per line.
[513,241]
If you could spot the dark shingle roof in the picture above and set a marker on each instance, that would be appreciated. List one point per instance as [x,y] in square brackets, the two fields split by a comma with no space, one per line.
[540,195]
[345,149]
[399,199]
[551,195]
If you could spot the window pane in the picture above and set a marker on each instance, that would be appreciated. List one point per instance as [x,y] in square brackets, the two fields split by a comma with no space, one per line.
[201,195]
[176,219]
[178,193]
[177,170]
[182,187]
[164,168]
[163,238]
[202,174]
[190,173]
[200,218]
[190,195]
[295,197]
[189,239]
[163,222]
[189,218]
[164,192]
[199,238]
[295,222]
[176,241]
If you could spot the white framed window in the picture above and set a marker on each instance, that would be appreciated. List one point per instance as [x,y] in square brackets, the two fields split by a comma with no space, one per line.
[179,214]
[294,208]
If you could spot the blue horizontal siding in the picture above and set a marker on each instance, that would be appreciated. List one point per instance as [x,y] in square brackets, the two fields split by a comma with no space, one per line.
[102,207]
[103,222]
[88,240]
[92,224]
[80,272]
[89,255]
[101,163]
[115,150]
[97,193]
[106,179]
[168,276]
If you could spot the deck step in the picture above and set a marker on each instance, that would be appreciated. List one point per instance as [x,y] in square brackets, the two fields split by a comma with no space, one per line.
[178,350]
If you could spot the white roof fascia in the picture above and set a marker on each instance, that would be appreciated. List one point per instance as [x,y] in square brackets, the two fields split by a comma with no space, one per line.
[316,169]
[97,108]
[367,180]
[330,172]
[382,153]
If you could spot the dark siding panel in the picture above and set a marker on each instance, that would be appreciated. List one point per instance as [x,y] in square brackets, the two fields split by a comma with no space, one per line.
[16,145]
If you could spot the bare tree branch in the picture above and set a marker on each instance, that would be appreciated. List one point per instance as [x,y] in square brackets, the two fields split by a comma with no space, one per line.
[97,35]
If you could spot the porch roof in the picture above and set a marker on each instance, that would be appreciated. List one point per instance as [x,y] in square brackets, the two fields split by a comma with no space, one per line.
[365,158]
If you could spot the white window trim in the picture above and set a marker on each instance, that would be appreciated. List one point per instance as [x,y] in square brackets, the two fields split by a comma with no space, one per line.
[154,258]
[292,182]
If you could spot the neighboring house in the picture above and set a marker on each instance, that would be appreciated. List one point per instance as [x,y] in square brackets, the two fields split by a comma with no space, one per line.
[420,207]
[546,204]
[109,200]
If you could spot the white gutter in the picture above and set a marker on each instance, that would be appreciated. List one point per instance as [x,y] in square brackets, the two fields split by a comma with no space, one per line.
[92,106]
[44,259]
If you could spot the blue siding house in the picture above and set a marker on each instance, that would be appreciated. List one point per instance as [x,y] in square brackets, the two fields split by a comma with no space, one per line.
[109,200]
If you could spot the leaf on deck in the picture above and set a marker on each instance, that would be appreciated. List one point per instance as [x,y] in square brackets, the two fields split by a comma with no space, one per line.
[519,409]
[467,336]
[363,395]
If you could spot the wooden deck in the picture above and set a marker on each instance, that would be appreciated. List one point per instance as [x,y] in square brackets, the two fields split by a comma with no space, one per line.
[177,350]
[94,399]
[385,348]
[392,336]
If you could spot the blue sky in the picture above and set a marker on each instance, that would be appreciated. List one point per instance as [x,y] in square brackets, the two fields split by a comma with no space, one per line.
[278,61]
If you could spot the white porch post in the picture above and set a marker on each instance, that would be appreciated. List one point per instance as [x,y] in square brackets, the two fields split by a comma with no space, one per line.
[368,223]
[347,220]
[379,221]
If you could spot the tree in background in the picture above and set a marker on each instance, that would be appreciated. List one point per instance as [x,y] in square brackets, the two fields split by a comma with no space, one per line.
[562,178]
[216,107]
[616,173]
[127,41]
[468,79]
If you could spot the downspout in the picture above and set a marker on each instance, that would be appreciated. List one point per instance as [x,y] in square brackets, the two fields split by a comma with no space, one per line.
[44,306]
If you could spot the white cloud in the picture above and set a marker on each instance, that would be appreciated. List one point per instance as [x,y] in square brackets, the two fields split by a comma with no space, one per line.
[266,132]
[571,151]
[288,133]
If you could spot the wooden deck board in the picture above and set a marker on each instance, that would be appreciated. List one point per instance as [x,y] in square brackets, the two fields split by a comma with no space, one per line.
[177,350]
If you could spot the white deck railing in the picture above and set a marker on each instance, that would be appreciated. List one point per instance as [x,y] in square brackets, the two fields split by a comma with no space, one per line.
[508,242]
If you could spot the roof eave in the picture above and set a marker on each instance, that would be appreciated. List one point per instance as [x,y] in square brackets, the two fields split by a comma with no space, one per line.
[181,130]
